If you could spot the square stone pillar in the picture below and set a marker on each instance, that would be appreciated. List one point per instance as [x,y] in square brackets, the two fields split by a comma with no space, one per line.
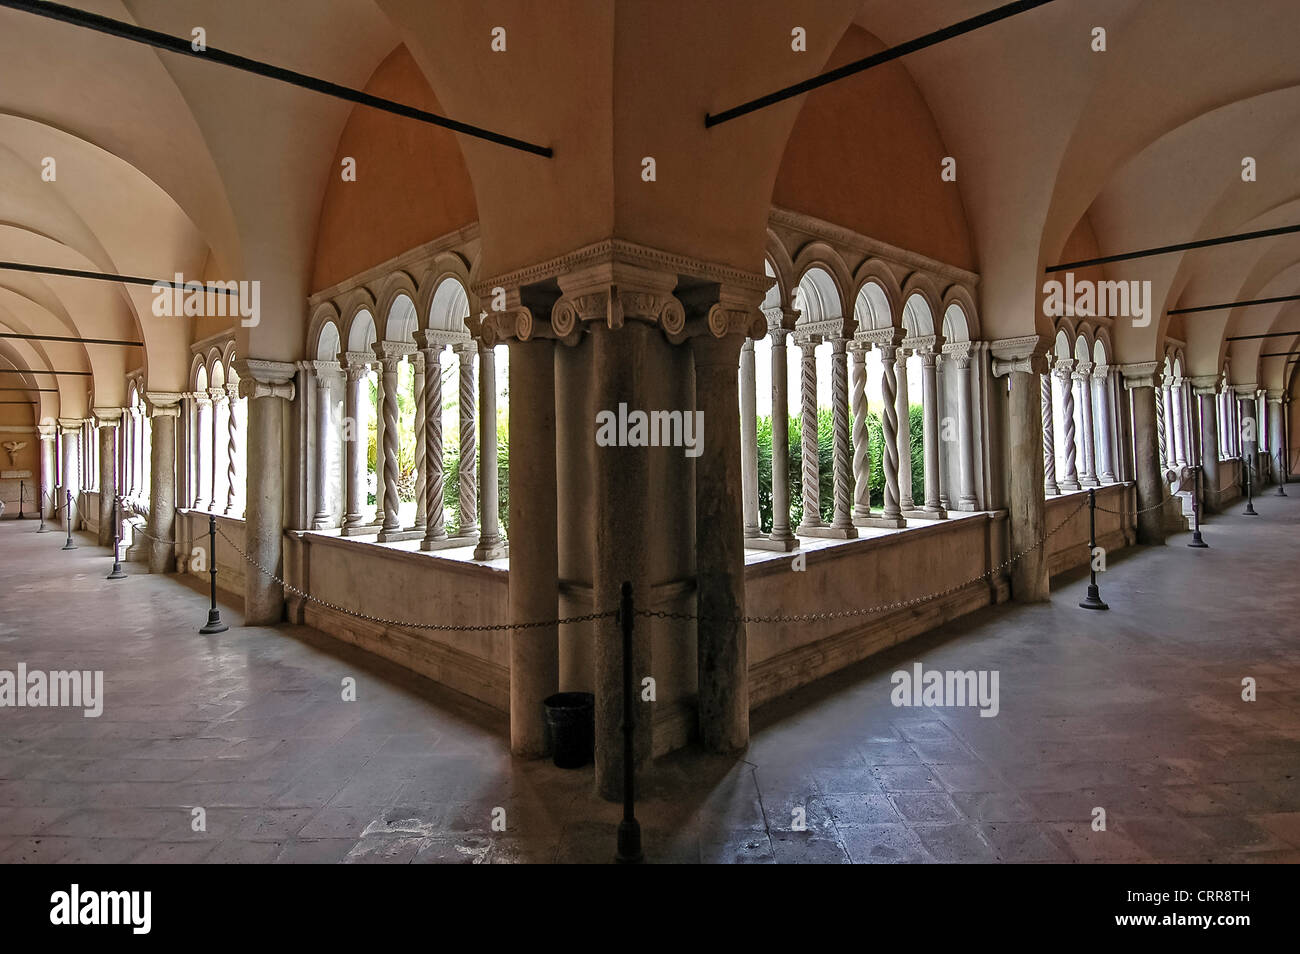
[1142,381]
[1021,360]
[269,387]
[107,418]
[164,410]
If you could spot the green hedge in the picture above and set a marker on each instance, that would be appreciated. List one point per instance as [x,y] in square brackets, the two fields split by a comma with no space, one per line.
[826,459]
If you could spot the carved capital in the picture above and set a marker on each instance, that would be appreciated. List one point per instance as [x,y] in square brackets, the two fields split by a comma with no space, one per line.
[107,416]
[260,379]
[163,403]
[1144,374]
[1025,355]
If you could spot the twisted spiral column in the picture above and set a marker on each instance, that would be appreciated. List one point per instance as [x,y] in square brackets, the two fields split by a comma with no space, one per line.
[392,502]
[861,440]
[421,466]
[431,397]
[1070,479]
[468,444]
[232,425]
[1160,429]
[1049,441]
[843,472]
[889,432]
[808,437]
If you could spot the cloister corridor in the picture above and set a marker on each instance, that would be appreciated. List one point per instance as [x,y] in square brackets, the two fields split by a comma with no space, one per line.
[1137,710]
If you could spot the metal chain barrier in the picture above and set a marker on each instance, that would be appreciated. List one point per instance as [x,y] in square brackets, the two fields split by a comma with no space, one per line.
[879,608]
[408,624]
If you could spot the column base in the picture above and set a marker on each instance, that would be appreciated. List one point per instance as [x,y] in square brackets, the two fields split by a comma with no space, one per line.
[828,532]
[361,530]
[447,543]
[921,513]
[772,543]
[968,505]
[397,536]
[1069,487]
[492,551]
[1087,482]
[882,522]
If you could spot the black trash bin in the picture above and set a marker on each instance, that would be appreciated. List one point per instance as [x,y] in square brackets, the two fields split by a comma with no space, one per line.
[571,719]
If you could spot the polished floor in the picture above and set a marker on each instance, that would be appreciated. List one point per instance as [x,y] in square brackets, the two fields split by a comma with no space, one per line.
[1137,711]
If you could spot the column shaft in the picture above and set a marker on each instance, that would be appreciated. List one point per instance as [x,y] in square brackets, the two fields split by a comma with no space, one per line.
[1027,509]
[930,434]
[723,659]
[843,465]
[162,491]
[354,465]
[780,440]
[491,545]
[749,440]
[903,402]
[1049,443]
[107,481]
[264,521]
[810,452]
[534,560]
[861,438]
[965,436]
[434,517]
[1150,464]
[468,477]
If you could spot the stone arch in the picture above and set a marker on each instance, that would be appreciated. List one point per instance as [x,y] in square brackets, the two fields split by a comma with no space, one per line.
[817,297]
[362,332]
[326,314]
[961,296]
[823,258]
[872,308]
[918,316]
[448,308]
[782,267]
[876,271]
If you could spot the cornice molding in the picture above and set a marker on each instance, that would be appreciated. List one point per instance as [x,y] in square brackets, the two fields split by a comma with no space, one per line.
[413,261]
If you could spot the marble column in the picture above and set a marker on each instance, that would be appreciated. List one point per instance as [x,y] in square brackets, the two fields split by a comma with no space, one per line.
[1165,418]
[164,409]
[722,642]
[1143,384]
[891,511]
[965,431]
[861,436]
[1102,412]
[390,356]
[842,520]
[71,433]
[749,440]
[1026,506]
[1179,424]
[781,536]
[811,457]
[435,523]
[107,418]
[1083,382]
[1049,443]
[269,387]
[232,448]
[48,436]
[491,544]
[468,477]
[219,401]
[1249,431]
[421,459]
[326,373]
[1062,373]
[534,562]
[930,434]
[202,439]
[354,444]
[903,404]
[1276,436]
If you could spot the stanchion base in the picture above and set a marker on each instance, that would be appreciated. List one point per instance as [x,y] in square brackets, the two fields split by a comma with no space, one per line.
[1280,492]
[68,546]
[215,625]
[1197,542]
[1249,511]
[117,573]
[42,529]
[629,843]
[1093,600]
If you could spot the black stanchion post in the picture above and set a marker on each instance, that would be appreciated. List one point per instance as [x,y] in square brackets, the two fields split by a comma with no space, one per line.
[1250,498]
[22,492]
[68,516]
[41,508]
[117,573]
[1093,600]
[1197,541]
[629,829]
[1281,476]
[215,625]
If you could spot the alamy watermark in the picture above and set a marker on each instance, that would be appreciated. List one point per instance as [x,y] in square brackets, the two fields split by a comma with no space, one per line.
[949,688]
[1088,299]
[60,688]
[77,907]
[651,429]
[242,300]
